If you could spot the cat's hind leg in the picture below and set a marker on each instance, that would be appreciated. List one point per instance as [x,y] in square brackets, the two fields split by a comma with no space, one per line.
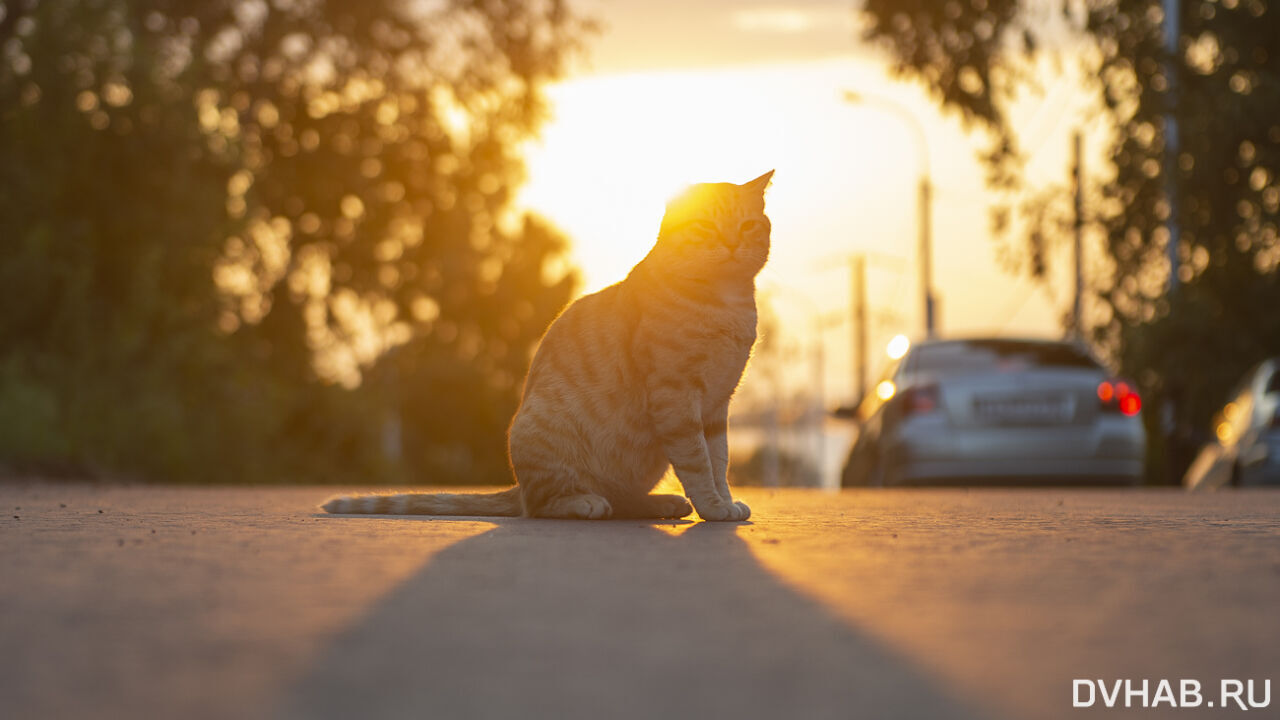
[581,506]
[658,506]
[554,490]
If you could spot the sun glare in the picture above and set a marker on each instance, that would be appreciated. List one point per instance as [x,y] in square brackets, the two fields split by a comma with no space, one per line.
[620,145]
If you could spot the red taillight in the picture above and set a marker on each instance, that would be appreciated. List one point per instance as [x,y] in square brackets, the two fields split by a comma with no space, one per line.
[1131,404]
[920,400]
[1119,396]
[1106,392]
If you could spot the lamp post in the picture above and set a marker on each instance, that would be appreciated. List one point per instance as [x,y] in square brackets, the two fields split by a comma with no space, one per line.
[924,199]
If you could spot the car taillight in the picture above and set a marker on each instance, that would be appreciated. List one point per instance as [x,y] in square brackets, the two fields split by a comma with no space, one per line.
[920,400]
[1119,396]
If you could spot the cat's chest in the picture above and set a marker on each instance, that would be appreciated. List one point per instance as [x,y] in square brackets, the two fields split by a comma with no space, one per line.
[709,345]
[726,328]
[734,333]
[719,346]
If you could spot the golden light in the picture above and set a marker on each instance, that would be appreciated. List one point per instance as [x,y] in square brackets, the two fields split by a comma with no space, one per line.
[886,389]
[898,347]
[1231,411]
[618,149]
[619,146]
[1224,433]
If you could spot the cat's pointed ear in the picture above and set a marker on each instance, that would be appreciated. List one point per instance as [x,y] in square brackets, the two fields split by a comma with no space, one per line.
[760,183]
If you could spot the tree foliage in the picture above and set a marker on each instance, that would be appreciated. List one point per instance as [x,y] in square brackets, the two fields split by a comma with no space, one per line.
[1223,86]
[252,240]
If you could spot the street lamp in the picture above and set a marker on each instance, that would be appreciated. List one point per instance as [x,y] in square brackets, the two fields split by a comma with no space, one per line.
[924,202]
[898,347]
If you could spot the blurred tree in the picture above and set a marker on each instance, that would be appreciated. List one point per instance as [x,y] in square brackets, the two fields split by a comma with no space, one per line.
[1223,84]
[221,217]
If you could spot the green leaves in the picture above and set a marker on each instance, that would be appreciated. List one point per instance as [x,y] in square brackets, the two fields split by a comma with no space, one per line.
[220,215]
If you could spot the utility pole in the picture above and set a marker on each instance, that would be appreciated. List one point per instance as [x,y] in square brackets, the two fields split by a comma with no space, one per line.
[1173,80]
[1172,31]
[392,422]
[924,202]
[1077,200]
[818,413]
[858,298]
[926,253]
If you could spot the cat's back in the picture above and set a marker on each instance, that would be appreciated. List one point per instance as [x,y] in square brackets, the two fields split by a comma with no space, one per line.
[586,348]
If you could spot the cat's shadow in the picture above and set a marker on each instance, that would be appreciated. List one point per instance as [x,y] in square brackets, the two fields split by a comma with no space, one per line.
[621,619]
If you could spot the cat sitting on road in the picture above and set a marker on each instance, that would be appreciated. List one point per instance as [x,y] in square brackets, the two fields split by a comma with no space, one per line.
[633,379]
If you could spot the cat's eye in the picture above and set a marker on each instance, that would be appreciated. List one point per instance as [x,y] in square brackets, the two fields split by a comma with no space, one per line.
[750,226]
[704,227]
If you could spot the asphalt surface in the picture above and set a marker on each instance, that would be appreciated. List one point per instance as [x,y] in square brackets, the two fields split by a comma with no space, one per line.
[140,602]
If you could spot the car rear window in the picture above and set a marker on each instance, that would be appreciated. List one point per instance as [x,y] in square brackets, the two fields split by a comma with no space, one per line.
[998,355]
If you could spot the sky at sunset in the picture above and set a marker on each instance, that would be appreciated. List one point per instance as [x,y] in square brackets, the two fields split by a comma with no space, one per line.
[733,89]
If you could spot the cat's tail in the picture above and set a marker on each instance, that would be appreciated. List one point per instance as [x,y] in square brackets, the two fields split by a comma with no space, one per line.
[505,504]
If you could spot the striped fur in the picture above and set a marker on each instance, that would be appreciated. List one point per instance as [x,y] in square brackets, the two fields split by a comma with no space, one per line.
[634,379]
[505,503]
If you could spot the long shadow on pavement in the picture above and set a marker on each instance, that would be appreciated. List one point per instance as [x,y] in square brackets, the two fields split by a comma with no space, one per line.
[561,619]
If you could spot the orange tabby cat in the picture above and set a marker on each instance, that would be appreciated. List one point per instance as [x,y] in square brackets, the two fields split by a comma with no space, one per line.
[633,379]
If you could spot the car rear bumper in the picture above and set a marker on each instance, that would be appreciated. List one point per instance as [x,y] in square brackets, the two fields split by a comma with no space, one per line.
[1046,471]
[926,451]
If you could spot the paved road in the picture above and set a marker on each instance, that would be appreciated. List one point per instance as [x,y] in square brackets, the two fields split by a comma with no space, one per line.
[132,602]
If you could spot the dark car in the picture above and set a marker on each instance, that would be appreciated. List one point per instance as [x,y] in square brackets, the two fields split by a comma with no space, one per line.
[1246,431]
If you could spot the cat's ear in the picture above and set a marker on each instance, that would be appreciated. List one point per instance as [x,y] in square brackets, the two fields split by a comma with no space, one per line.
[760,183]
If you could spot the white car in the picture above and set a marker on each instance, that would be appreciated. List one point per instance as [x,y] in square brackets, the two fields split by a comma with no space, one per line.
[998,411]
[1247,431]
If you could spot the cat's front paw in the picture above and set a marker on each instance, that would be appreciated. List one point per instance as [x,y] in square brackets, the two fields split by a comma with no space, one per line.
[725,512]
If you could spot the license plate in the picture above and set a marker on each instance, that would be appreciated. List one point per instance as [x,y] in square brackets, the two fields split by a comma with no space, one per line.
[1025,409]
